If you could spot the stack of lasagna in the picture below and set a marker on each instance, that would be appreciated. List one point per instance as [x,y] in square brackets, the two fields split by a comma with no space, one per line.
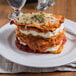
[40,32]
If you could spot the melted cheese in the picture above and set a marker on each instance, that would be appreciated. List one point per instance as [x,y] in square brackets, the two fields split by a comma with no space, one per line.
[37,19]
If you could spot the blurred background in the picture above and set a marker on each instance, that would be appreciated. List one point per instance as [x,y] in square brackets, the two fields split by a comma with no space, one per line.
[66,8]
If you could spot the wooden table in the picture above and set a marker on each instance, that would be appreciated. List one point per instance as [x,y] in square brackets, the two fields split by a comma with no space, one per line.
[66,8]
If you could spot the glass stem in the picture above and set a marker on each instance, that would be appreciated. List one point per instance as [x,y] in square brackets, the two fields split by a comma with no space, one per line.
[17,12]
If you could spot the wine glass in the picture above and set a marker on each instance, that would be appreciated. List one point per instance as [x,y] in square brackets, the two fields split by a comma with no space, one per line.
[17,6]
[42,4]
[51,2]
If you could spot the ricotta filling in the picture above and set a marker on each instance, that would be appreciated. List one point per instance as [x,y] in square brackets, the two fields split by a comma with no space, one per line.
[21,42]
[44,35]
[49,49]
[53,48]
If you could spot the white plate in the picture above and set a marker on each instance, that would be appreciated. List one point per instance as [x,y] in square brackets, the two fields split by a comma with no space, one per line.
[12,53]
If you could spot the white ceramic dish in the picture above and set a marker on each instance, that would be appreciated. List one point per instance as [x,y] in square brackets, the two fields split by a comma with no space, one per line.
[12,53]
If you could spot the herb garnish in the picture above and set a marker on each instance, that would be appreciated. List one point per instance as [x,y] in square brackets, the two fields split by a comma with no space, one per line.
[31,22]
[33,16]
[41,13]
[37,17]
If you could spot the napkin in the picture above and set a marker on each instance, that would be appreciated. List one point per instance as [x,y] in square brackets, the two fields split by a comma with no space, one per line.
[9,67]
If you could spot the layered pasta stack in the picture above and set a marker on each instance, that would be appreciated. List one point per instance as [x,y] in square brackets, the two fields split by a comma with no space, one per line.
[40,32]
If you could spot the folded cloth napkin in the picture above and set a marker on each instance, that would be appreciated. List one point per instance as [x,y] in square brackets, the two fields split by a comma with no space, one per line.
[10,67]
